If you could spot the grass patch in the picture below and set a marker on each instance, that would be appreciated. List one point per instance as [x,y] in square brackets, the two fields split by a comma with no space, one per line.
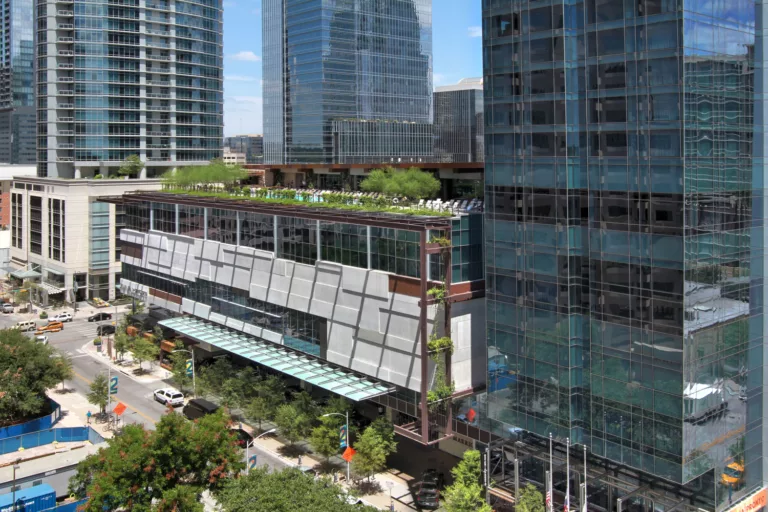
[409,210]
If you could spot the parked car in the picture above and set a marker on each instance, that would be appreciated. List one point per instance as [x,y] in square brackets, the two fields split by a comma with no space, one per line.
[105,330]
[242,438]
[42,339]
[198,407]
[428,496]
[169,396]
[100,317]
[433,476]
[61,317]
[51,327]
[7,308]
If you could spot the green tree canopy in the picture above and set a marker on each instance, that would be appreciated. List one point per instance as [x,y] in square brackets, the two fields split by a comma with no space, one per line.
[97,394]
[214,173]
[374,446]
[144,349]
[292,424]
[132,166]
[27,369]
[285,491]
[171,464]
[466,494]
[412,183]
[531,499]
[325,437]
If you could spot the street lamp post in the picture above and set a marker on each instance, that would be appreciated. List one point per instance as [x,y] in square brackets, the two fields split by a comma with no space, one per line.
[15,467]
[248,447]
[192,354]
[346,416]
[390,484]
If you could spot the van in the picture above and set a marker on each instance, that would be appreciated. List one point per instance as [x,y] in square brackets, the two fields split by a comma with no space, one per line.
[26,325]
[199,407]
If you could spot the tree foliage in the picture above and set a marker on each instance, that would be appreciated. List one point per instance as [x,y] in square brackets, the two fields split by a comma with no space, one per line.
[466,494]
[412,183]
[325,437]
[373,447]
[131,166]
[140,469]
[531,499]
[292,424]
[179,373]
[286,491]
[97,395]
[215,173]
[144,349]
[27,369]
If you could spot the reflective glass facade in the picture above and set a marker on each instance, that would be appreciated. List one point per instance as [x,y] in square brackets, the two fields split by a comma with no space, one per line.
[459,124]
[128,78]
[17,87]
[624,236]
[329,67]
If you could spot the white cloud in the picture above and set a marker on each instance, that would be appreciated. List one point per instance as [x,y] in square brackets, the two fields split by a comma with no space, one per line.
[438,79]
[242,114]
[475,31]
[247,56]
[240,78]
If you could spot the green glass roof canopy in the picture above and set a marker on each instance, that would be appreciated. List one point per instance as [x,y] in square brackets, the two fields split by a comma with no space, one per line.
[315,371]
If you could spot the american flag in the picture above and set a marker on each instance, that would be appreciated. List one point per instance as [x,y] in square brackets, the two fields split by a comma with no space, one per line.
[567,506]
[549,498]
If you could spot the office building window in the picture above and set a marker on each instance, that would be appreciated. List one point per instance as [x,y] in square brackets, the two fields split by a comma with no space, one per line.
[56,248]
[137,216]
[257,231]
[222,225]
[17,219]
[191,221]
[164,217]
[396,251]
[36,225]
[298,239]
[344,243]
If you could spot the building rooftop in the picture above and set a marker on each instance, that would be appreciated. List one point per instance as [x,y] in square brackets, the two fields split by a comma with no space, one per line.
[465,84]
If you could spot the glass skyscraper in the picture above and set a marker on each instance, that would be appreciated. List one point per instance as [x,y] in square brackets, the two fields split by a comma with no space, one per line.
[128,77]
[459,122]
[625,232]
[348,81]
[17,88]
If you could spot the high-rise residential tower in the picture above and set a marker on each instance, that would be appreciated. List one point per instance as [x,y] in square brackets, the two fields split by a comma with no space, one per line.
[625,243]
[129,77]
[347,81]
[459,121]
[17,87]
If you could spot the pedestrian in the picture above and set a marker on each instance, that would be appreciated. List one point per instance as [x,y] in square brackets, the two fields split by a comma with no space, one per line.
[299,460]
[88,417]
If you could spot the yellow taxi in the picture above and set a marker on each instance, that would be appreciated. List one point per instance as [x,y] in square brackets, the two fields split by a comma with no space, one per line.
[733,474]
[51,327]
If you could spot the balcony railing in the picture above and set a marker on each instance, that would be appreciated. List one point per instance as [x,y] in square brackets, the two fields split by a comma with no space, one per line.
[66,105]
[156,108]
[65,26]
[67,79]
[66,53]
[66,93]
[65,159]
[66,39]
[160,95]
[66,66]
[65,13]
[65,119]
[66,146]
[158,57]
[164,83]
[66,132]
[159,134]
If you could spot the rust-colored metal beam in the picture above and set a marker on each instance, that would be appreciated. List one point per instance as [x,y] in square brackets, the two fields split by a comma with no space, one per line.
[424,337]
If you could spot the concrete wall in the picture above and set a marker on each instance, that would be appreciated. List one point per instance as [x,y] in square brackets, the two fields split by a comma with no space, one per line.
[370,329]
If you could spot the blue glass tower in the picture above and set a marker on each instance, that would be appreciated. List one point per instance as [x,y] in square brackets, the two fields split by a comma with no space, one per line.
[348,81]
[624,191]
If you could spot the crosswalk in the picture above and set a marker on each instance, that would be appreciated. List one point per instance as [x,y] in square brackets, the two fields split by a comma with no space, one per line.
[76,330]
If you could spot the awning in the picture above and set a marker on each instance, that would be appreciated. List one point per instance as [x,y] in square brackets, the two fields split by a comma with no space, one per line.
[51,289]
[25,274]
[315,371]
[54,271]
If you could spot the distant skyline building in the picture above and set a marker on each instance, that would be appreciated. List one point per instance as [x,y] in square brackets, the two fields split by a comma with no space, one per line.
[130,78]
[459,122]
[252,146]
[17,83]
[347,82]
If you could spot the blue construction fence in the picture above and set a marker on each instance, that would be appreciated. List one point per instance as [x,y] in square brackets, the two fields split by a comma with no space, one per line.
[43,423]
[60,435]
[69,507]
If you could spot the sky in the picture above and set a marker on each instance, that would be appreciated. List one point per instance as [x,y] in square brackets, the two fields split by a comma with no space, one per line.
[456,41]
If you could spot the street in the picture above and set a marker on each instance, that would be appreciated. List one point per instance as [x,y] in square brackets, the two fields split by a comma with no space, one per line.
[136,395]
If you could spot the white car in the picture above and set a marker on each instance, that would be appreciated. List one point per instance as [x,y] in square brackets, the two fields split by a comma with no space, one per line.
[61,317]
[169,396]
[41,339]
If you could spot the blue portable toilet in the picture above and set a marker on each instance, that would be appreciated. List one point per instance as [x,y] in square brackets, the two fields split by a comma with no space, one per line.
[30,499]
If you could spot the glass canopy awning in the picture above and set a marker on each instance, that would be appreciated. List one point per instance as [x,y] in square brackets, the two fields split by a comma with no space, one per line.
[314,371]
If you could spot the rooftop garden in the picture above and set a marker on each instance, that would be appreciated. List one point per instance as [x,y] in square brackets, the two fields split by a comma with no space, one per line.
[387,190]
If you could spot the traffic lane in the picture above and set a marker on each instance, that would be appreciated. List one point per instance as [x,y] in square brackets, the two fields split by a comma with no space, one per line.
[265,458]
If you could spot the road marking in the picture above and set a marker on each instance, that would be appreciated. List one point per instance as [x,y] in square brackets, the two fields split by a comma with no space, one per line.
[123,401]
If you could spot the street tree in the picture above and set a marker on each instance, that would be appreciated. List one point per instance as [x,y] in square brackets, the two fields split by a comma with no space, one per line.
[373,447]
[64,367]
[412,183]
[531,499]
[123,342]
[325,437]
[258,410]
[131,166]
[182,498]
[179,373]
[288,490]
[292,424]
[98,392]
[27,369]
[141,468]
[144,349]
[466,494]
[210,378]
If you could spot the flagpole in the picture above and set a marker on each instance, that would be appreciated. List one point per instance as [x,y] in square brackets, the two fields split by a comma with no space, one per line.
[584,503]
[549,477]
[567,507]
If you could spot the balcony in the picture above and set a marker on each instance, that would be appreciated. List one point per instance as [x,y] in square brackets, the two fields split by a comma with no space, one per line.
[65,13]
[158,121]
[66,53]
[160,95]
[156,108]
[164,83]
[65,119]
[66,66]
[65,159]
[158,146]
[66,79]
[158,19]
[158,159]
[66,39]
[157,44]
[67,92]
[158,57]
[66,146]
[160,6]
[159,134]
[155,32]
[65,26]
[66,132]
[66,105]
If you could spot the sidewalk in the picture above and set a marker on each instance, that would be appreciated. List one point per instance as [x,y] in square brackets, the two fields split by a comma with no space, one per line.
[74,411]
[84,310]
[152,371]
